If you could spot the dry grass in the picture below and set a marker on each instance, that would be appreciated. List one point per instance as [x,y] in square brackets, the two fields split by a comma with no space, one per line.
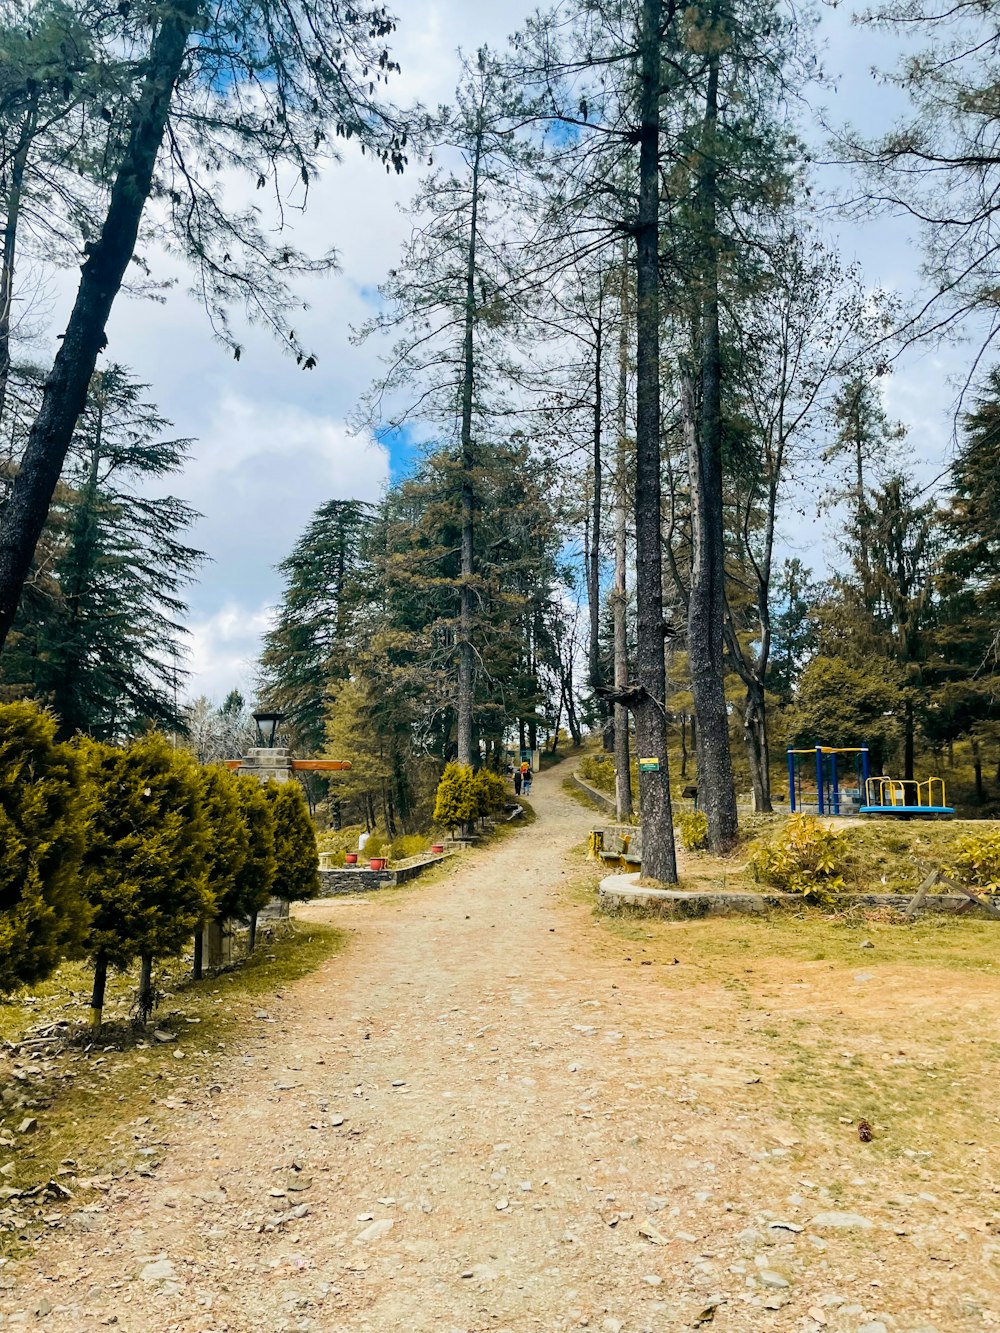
[85,1091]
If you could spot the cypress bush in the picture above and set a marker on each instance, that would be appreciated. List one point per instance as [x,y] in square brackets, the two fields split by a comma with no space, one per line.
[296,874]
[455,802]
[255,881]
[227,850]
[147,858]
[45,807]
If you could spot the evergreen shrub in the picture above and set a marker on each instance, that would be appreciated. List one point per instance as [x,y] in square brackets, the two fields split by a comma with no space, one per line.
[975,861]
[693,825]
[805,857]
[146,862]
[455,802]
[488,793]
[296,875]
[45,807]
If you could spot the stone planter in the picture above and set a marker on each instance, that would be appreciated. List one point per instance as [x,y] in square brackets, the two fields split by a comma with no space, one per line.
[350,858]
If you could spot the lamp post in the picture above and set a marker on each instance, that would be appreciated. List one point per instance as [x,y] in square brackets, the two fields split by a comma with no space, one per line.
[264,721]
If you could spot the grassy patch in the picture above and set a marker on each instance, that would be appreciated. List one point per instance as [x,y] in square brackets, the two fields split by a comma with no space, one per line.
[102,1105]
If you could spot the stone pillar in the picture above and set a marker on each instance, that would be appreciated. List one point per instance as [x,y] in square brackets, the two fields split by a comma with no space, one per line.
[264,764]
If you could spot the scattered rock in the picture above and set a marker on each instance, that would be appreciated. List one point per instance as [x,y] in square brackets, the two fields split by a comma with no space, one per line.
[873,1326]
[816,1314]
[769,1278]
[375,1232]
[158,1270]
[866,944]
[161,1034]
[336,1121]
[652,1280]
[209,1192]
[841,1222]
[649,1232]
[612,1325]
[28,1125]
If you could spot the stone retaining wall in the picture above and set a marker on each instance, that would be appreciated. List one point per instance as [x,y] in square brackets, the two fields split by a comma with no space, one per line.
[600,798]
[618,893]
[347,879]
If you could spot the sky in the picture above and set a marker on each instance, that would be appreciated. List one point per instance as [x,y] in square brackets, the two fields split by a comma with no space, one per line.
[272,442]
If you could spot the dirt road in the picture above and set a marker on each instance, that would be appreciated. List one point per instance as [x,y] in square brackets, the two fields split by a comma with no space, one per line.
[479,1118]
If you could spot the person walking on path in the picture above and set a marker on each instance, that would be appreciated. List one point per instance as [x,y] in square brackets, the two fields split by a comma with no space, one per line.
[517,782]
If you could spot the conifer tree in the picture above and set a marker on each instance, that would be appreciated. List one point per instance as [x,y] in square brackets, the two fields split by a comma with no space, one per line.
[254,885]
[324,593]
[102,649]
[455,805]
[228,847]
[45,811]
[259,89]
[146,858]
[296,872]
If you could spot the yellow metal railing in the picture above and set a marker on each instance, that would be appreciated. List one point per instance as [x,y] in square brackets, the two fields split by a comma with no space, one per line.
[905,792]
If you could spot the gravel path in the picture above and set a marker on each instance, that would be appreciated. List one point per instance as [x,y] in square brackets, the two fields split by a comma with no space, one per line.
[478,1118]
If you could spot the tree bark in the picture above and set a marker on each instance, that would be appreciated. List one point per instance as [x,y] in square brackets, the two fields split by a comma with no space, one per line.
[706,605]
[619,596]
[758,752]
[466,651]
[594,562]
[15,197]
[146,986]
[659,860]
[100,281]
[198,965]
[909,740]
[252,944]
[977,763]
[100,986]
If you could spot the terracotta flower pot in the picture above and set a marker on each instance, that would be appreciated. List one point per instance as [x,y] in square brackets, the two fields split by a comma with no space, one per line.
[437,847]
[377,863]
[350,858]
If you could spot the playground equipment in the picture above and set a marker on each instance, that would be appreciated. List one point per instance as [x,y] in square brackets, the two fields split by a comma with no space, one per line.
[830,795]
[905,796]
[871,795]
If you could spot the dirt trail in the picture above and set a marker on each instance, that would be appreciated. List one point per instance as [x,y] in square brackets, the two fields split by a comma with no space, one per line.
[477,1111]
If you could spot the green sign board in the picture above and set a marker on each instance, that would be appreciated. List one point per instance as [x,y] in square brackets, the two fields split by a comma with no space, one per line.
[649,765]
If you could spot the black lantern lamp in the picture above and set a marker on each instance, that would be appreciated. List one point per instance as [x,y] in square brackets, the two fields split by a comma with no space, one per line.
[267,727]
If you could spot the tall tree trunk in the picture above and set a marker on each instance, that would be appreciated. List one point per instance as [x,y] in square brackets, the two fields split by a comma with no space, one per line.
[755,736]
[596,678]
[100,986]
[684,745]
[706,606]
[65,390]
[253,932]
[909,739]
[619,597]
[145,986]
[466,650]
[977,764]
[198,964]
[659,860]
[15,196]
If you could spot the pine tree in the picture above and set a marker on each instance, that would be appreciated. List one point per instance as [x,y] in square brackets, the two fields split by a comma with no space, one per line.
[45,811]
[324,594]
[146,858]
[190,74]
[103,648]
